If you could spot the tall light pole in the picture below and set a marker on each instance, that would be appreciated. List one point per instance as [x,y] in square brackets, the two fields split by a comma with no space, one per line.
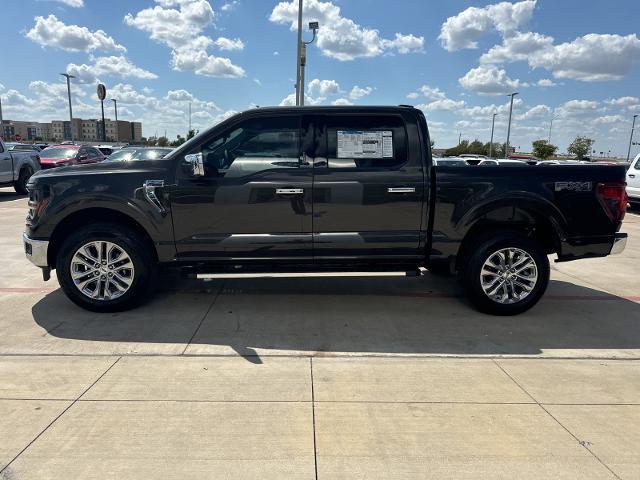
[1,123]
[189,131]
[303,60]
[299,52]
[69,77]
[493,125]
[115,107]
[633,127]
[553,117]
[506,150]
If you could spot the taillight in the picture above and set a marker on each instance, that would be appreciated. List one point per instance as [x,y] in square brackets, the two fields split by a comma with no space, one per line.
[614,199]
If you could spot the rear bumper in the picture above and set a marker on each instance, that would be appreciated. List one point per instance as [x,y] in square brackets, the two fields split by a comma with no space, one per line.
[36,251]
[591,247]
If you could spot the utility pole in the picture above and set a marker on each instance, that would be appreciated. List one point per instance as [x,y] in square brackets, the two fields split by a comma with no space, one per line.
[115,106]
[460,138]
[1,122]
[189,131]
[299,54]
[506,150]
[493,124]
[633,127]
[550,127]
[69,77]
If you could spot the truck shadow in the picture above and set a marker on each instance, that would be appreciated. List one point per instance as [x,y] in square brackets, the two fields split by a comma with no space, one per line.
[9,195]
[325,316]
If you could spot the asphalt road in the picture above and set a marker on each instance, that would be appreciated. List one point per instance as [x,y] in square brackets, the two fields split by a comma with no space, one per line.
[330,378]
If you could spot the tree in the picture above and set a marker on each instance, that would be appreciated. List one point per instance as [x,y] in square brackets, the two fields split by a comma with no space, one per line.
[543,149]
[178,141]
[191,134]
[580,147]
[163,141]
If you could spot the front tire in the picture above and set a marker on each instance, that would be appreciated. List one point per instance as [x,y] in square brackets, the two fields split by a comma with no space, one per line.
[23,178]
[507,274]
[105,267]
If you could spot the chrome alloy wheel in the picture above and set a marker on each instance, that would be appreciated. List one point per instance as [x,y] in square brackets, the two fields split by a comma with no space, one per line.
[102,270]
[509,275]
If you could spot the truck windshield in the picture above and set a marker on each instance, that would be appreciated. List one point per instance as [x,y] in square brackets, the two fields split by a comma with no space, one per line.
[59,152]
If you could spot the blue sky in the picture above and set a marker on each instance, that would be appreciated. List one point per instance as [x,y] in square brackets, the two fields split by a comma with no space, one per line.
[574,59]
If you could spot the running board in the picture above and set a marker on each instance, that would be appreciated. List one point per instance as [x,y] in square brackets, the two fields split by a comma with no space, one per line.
[211,276]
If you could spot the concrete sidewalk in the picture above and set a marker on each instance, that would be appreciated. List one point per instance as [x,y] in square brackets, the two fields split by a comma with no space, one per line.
[329,418]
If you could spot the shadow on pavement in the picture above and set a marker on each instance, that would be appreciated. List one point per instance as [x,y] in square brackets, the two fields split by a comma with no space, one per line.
[7,196]
[425,315]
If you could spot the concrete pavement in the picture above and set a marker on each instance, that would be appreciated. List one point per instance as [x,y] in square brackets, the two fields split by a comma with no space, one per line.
[320,378]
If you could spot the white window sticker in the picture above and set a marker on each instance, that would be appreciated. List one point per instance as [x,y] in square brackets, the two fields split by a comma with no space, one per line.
[365,144]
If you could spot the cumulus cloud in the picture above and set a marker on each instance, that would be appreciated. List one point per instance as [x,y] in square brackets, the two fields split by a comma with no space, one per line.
[111,66]
[323,88]
[545,82]
[181,30]
[358,92]
[51,32]
[464,29]
[341,101]
[340,37]
[518,47]
[72,3]
[489,80]
[623,101]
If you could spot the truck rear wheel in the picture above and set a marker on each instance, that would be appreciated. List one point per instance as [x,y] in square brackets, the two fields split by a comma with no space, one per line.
[105,267]
[506,274]
[23,178]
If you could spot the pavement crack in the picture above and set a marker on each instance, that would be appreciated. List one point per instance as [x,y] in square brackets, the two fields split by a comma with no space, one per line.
[4,469]
[213,302]
[313,414]
[582,443]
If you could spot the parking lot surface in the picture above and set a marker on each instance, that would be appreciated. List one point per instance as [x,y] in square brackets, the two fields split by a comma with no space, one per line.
[320,377]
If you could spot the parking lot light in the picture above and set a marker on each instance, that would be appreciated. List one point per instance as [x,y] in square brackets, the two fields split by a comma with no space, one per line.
[633,127]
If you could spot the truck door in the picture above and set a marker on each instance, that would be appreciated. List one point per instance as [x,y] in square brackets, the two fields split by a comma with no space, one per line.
[633,180]
[254,201]
[6,165]
[368,189]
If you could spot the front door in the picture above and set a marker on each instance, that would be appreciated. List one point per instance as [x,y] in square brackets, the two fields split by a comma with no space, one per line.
[368,189]
[254,201]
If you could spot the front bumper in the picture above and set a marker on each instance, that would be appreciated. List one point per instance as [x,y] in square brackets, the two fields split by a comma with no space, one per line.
[36,251]
[619,243]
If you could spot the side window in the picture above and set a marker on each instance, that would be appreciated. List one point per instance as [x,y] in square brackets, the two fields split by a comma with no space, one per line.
[253,146]
[366,142]
[637,165]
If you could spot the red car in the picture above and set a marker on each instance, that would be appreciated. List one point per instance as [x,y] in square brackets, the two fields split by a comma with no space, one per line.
[59,155]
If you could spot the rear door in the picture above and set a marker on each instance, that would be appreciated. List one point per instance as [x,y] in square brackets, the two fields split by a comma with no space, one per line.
[368,188]
[6,165]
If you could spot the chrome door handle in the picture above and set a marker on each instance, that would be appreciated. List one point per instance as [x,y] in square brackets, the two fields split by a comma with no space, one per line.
[401,190]
[289,191]
[632,175]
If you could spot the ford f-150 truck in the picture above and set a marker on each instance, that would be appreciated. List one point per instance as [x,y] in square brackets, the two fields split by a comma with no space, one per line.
[318,189]
[16,167]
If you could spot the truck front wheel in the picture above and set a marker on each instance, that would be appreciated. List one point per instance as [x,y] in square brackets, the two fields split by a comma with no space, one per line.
[23,178]
[105,267]
[506,274]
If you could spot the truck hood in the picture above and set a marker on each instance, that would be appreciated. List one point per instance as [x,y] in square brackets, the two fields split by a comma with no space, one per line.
[103,168]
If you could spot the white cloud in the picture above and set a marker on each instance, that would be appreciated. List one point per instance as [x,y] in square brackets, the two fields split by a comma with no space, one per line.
[624,101]
[489,80]
[464,29]
[323,88]
[51,32]
[229,5]
[539,111]
[229,44]
[518,47]
[72,3]
[341,101]
[112,66]
[181,30]
[413,95]
[609,119]
[445,104]
[289,100]
[432,93]
[340,37]
[545,82]
[358,92]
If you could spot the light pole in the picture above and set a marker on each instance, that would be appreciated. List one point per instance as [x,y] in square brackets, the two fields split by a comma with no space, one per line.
[506,150]
[69,77]
[553,117]
[303,60]
[189,131]
[1,123]
[299,52]
[633,127]
[493,124]
[115,106]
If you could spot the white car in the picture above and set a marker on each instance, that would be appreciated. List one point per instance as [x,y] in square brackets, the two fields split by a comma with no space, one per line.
[633,181]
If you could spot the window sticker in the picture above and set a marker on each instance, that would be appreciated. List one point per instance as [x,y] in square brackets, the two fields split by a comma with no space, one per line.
[365,144]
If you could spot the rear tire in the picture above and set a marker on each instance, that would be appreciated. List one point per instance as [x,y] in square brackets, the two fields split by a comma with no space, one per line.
[23,178]
[517,290]
[105,267]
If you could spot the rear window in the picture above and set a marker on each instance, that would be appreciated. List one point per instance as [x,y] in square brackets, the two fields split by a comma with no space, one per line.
[59,152]
[366,142]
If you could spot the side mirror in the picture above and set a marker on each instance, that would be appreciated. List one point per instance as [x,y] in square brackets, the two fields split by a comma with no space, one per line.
[197,164]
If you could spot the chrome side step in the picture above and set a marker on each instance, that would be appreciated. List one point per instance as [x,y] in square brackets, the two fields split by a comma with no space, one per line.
[211,276]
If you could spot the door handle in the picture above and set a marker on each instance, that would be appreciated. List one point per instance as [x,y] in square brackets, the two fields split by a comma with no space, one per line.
[401,190]
[632,175]
[289,191]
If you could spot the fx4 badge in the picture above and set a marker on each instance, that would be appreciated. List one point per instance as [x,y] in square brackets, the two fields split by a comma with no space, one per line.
[573,186]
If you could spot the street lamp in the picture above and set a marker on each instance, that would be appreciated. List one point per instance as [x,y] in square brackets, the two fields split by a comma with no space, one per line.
[313,26]
[493,124]
[69,77]
[633,127]
[553,117]
[506,150]
[115,106]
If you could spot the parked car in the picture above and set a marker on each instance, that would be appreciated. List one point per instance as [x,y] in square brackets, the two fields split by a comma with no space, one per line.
[68,154]
[633,181]
[108,149]
[129,154]
[16,167]
[318,189]
[24,147]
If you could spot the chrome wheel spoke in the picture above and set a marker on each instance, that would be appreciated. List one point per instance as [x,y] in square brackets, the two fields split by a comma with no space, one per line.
[102,270]
[508,275]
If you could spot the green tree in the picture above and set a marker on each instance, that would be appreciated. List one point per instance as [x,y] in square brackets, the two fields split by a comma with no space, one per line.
[580,147]
[163,141]
[192,133]
[178,141]
[543,149]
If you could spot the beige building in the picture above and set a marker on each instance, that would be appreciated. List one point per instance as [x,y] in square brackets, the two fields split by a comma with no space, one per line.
[84,130]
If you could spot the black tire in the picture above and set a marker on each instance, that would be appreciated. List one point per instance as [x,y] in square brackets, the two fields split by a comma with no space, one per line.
[144,266]
[23,178]
[474,261]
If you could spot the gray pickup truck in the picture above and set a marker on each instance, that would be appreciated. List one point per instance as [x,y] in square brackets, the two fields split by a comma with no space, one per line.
[16,167]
